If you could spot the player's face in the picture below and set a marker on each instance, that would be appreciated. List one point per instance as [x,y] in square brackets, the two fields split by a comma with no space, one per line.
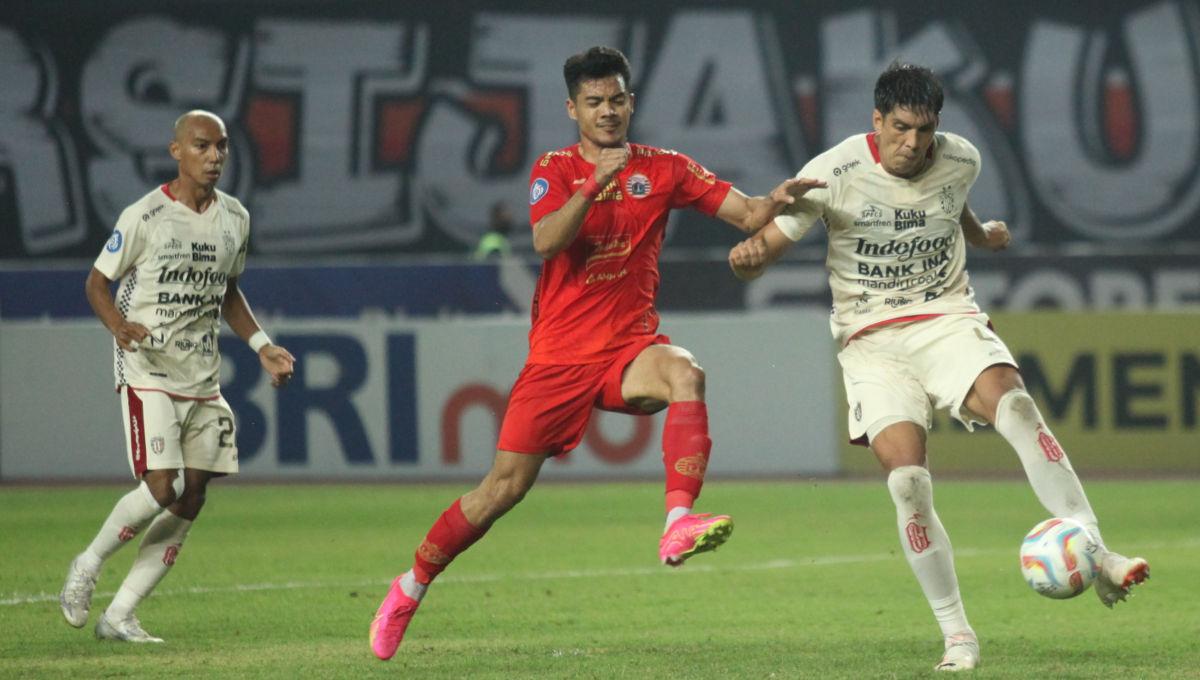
[904,138]
[201,149]
[602,107]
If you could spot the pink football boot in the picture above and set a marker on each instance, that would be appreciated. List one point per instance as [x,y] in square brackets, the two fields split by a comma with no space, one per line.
[692,534]
[391,620]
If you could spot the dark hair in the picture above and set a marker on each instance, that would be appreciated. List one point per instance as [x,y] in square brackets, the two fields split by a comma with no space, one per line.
[597,62]
[916,88]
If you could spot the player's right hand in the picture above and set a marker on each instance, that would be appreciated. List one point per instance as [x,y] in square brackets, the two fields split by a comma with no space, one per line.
[130,335]
[792,189]
[749,255]
[610,162]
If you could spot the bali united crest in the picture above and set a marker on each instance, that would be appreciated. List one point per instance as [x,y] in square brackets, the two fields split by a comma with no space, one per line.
[157,444]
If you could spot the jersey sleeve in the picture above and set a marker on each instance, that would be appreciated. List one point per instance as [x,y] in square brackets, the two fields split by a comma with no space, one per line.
[696,186]
[239,262]
[123,248]
[549,188]
[799,217]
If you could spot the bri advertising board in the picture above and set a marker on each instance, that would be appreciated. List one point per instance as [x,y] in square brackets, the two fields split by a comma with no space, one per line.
[377,398]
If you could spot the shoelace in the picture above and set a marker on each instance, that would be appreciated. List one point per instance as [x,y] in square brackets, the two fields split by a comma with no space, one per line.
[76,594]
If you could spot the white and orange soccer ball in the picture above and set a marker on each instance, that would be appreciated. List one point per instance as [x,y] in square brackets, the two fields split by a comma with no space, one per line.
[1059,558]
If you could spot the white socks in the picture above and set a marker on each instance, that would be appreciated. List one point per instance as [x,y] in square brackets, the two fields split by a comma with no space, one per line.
[156,555]
[129,516]
[1046,465]
[412,587]
[926,545]
[675,513]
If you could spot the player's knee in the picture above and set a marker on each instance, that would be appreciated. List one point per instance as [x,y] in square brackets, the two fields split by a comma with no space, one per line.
[1016,404]
[910,486]
[162,488]
[191,501]
[686,378]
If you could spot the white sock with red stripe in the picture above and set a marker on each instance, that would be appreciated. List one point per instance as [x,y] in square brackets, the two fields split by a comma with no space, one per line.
[156,556]
[926,546]
[129,516]
[1046,464]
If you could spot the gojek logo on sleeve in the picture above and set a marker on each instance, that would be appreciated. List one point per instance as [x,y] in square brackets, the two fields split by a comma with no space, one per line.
[114,241]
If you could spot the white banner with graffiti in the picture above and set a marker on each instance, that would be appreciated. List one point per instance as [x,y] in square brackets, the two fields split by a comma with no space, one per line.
[395,128]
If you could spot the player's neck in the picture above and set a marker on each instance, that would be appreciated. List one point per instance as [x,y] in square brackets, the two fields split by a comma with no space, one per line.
[590,151]
[195,197]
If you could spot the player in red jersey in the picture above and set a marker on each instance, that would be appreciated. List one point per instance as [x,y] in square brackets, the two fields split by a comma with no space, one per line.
[598,209]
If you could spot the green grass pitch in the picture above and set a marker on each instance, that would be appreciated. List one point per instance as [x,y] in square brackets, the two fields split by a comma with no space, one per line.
[282,581]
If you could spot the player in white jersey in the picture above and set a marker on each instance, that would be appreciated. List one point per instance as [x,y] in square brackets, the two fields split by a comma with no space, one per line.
[896,214]
[178,252]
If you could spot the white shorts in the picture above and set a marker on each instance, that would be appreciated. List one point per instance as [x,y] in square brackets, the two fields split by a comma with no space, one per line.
[902,372]
[165,433]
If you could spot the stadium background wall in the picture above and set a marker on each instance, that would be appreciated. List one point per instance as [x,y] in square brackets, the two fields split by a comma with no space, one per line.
[370,141]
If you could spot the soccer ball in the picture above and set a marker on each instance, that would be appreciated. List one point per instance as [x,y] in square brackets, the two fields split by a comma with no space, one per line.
[1059,558]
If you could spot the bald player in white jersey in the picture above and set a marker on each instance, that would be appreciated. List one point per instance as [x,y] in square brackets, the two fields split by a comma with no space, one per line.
[178,252]
[894,204]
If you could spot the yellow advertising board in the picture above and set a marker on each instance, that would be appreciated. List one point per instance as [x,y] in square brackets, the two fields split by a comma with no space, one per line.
[1120,391]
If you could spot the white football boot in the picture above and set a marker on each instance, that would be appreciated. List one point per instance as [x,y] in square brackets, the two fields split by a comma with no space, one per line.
[128,629]
[75,600]
[1117,575]
[962,652]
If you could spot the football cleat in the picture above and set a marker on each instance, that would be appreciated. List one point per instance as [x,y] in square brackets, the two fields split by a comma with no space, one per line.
[75,600]
[962,653]
[1117,575]
[693,534]
[128,629]
[391,620]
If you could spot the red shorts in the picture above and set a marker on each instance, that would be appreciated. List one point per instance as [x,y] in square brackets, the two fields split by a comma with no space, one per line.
[550,404]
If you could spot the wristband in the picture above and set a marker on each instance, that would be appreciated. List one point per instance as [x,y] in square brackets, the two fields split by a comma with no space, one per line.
[591,188]
[259,340]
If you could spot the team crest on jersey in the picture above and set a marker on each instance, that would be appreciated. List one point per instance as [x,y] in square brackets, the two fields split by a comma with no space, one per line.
[538,190]
[946,197]
[157,444]
[638,186]
[114,241]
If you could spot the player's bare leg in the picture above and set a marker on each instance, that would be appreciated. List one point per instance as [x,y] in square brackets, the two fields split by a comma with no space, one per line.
[999,396]
[159,549]
[900,448]
[463,523]
[131,514]
[668,376]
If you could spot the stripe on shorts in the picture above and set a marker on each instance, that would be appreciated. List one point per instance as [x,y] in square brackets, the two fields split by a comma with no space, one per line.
[137,433]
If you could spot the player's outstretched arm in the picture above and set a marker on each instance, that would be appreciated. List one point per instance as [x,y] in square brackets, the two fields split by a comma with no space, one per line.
[750,258]
[751,213]
[992,235]
[276,361]
[98,290]
[556,231]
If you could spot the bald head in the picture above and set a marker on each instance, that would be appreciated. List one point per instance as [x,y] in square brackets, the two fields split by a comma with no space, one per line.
[187,121]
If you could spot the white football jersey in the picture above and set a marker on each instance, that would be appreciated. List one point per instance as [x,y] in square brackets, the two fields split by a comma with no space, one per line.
[174,265]
[895,245]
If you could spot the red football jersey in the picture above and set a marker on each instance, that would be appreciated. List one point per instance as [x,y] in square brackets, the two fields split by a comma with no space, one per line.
[597,295]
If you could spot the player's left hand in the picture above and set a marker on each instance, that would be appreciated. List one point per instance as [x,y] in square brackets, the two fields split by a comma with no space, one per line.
[995,235]
[792,189]
[278,362]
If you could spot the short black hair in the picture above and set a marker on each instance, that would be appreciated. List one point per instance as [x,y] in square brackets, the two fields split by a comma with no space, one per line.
[914,87]
[598,62]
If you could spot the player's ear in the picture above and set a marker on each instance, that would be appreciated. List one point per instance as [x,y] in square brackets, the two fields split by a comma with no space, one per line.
[176,150]
[632,101]
[571,109]
[877,120]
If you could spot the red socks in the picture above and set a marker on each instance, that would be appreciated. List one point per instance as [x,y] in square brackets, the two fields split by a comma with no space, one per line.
[685,451]
[450,535]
